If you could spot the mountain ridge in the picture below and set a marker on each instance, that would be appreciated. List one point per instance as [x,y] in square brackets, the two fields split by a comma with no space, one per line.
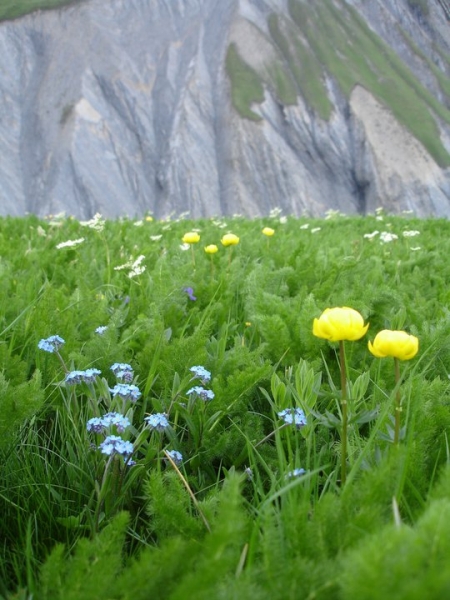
[128,108]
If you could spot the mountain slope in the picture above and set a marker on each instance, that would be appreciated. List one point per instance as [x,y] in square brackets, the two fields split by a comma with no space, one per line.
[226,106]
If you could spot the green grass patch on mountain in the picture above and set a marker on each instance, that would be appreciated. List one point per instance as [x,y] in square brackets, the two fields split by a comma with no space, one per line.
[306,70]
[444,82]
[328,40]
[354,55]
[246,84]
[11,9]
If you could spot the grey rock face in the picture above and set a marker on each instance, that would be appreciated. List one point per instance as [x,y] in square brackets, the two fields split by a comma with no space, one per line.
[123,107]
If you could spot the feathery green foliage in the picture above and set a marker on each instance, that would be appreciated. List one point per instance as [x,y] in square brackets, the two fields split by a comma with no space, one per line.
[256,506]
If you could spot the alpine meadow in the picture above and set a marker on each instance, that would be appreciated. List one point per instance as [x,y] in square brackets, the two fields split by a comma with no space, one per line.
[225,408]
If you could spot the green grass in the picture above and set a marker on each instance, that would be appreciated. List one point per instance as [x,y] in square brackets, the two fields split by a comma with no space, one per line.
[11,9]
[76,525]
[324,40]
[246,85]
[353,54]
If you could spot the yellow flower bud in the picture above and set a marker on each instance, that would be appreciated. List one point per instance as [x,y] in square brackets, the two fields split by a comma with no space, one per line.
[340,323]
[398,344]
[211,249]
[229,239]
[268,231]
[192,237]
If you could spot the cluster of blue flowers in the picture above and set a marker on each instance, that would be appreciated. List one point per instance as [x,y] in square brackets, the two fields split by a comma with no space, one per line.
[51,344]
[123,372]
[176,456]
[201,373]
[114,444]
[126,391]
[87,376]
[293,416]
[101,424]
[158,421]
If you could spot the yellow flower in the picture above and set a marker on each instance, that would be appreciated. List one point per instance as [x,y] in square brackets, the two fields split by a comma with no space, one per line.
[398,344]
[340,323]
[268,231]
[211,249]
[229,239]
[149,218]
[192,237]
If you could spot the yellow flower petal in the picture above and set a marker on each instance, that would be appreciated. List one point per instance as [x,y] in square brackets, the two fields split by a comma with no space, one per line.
[340,323]
[397,344]
[192,237]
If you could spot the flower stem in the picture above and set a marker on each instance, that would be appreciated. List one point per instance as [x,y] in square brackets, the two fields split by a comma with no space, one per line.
[398,402]
[344,413]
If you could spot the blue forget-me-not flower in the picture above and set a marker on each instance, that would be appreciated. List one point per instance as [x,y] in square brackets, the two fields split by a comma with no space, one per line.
[157,421]
[201,373]
[176,456]
[293,416]
[114,444]
[126,392]
[123,372]
[51,344]
[201,392]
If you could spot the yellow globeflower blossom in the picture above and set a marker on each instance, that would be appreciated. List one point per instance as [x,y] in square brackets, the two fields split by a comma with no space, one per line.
[398,344]
[340,323]
[192,237]
[268,231]
[229,239]
[211,249]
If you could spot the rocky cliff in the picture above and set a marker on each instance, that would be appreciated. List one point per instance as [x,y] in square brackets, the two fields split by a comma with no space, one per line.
[212,107]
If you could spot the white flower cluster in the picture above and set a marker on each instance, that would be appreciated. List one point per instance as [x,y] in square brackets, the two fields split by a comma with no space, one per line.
[70,243]
[385,236]
[135,267]
[96,223]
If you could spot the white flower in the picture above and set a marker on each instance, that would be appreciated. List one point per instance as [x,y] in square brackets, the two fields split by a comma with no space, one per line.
[275,212]
[70,243]
[416,248]
[96,223]
[283,220]
[136,267]
[184,247]
[379,218]
[305,226]
[369,236]
[138,223]
[315,229]
[156,238]
[127,265]
[410,233]
[386,237]
[332,214]
[41,231]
